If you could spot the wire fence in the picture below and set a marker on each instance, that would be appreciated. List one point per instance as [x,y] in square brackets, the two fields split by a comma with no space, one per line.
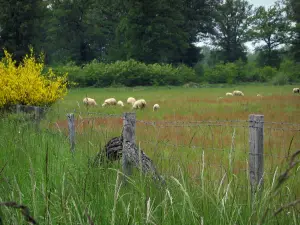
[219,146]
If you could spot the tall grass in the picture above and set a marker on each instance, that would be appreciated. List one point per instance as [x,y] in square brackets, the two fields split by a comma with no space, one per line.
[37,170]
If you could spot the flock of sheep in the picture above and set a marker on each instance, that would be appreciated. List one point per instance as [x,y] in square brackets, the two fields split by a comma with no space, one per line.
[239,93]
[141,103]
[136,104]
[235,93]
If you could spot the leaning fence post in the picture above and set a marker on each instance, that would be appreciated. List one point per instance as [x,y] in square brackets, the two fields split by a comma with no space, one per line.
[256,157]
[71,125]
[129,121]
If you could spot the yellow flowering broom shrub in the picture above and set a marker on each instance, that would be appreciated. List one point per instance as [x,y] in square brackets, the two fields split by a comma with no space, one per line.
[26,83]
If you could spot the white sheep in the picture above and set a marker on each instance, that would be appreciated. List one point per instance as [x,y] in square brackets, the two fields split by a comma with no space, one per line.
[296,90]
[237,93]
[156,107]
[120,103]
[229,94]
[131,100]
[259,95]
[139,104]
[89,102]
[109,101]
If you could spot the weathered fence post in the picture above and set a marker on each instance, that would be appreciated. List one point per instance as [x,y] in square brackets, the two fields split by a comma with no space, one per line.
[37,113]
[71,125]
[256,153]
[18,109]
[129,121]
[37,116]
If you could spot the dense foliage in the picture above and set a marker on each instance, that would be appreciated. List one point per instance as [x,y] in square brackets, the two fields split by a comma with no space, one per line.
[102,42]
[26,84]
[128,73]
[134,73]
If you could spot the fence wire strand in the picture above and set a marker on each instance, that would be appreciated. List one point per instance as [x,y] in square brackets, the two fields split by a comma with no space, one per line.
[276,136]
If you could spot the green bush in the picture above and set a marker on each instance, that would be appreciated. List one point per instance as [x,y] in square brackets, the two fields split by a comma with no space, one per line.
[251,72]
[222,73]
[267,73]
[199,71]
[280,79]
[74,73]
[291,70]
[133,73]
[128,73]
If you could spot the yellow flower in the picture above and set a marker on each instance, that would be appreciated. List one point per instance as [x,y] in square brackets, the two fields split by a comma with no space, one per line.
[26,84]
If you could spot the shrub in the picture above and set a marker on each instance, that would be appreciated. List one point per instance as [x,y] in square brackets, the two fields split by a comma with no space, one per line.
[26,84]
[291,70]
[280,79]
[75,73]
[267,73]
[129,73]
[252,73]
[199,70]
[222,73]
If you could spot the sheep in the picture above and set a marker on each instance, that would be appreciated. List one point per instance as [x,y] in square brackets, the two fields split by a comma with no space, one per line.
[139,104]
[296,90]
[109,101]
[229,94]
[259,95]
[89,101]
[120,103]
[237,93]
[131,100]
[156,107]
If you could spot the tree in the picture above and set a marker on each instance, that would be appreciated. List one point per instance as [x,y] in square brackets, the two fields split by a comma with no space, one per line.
[152,31]
[67,34]
[163,30]
[102,21]
[272,29]
[293,11]
[232,21]
[20,25]
[197,22]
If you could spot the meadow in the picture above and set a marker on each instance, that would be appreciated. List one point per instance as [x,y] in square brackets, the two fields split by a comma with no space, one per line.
[199,143]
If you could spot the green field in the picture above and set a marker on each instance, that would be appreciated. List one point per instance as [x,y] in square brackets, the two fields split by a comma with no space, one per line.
[205,166]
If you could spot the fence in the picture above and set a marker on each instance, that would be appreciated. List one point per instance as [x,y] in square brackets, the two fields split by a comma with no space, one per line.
[249,144]
[256,137]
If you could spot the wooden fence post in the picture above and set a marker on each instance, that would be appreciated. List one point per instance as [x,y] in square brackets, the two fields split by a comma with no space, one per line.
[37,116]
[256,153]
[71,125]
[129,121]
[18,108]
[37,112]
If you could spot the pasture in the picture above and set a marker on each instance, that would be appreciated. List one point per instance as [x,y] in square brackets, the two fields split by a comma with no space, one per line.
[198,142]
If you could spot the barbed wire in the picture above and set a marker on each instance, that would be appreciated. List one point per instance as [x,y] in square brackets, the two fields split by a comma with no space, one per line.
[181,145]
[183,124]
[105,114]
[187,124]
[173,122]
[217,122]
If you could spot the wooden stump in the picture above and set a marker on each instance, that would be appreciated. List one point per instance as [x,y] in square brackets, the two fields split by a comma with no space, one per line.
[137,158]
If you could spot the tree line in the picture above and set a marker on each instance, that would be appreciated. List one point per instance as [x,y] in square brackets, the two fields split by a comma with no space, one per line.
[152,31]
